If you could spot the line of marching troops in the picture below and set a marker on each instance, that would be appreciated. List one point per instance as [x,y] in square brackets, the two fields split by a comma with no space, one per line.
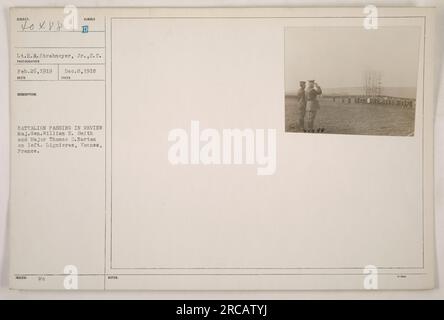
[403,102]
[308,103]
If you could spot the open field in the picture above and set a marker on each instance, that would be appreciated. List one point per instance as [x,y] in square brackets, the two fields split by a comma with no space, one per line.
[344,118]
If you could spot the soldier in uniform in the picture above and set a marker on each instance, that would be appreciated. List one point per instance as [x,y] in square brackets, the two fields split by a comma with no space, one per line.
[302,103]
[311,94]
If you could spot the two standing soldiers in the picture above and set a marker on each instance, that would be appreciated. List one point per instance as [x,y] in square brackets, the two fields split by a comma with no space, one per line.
[308,104]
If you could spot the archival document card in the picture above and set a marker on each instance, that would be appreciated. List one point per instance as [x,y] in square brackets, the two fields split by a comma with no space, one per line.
[221,149]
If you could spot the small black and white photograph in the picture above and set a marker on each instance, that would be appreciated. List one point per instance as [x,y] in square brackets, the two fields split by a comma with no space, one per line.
[351,80]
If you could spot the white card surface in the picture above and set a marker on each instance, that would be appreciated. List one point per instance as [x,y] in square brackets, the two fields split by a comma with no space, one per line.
[172,149]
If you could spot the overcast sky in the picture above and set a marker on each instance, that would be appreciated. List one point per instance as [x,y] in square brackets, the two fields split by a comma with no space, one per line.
[339,57]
